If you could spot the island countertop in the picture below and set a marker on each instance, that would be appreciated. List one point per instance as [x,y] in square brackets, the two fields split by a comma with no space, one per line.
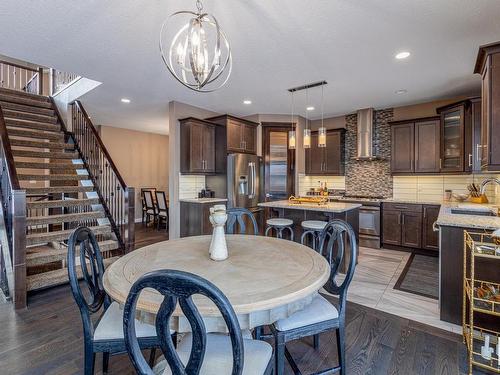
[335,207]
[448,219]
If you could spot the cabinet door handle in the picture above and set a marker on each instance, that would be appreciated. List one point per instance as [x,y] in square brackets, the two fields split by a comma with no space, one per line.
[470,160]
[399,218]
[425,212]
[435,227]
[478,156]
[403,219]
[440,163]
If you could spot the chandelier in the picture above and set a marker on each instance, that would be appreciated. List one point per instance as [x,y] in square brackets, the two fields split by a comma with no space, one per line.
[199,55]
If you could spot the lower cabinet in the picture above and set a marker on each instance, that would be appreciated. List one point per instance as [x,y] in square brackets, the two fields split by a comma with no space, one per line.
[194,219]
[410,225]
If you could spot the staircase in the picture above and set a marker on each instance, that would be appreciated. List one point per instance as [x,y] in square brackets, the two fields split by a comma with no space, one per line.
[65,186]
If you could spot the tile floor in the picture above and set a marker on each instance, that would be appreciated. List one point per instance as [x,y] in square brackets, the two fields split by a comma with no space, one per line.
[373,286]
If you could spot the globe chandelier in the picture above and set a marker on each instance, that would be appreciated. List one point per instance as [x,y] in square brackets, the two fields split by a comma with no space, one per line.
[199,54]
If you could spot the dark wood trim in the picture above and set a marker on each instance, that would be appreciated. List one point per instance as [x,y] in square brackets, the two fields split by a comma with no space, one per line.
[419,119]
[463,102]
[226,116]
[194,119]
[287,125]
[482,54]
[283,127]
[104,149]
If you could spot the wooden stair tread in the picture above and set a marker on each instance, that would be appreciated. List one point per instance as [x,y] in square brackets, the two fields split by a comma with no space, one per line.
[45,155]
[56,277]
[58,166]
[58,189]
[62,203]
[26,108]
[14,114]
[36,256]
[53,177]
[65,218]
[14,132]
[41,144]
[24,94]
[37,238]
[33,102]
[28,124]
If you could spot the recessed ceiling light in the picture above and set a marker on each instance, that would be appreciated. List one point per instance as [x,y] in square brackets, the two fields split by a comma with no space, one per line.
[402,91]
[402,55]
[125,100]
[247,102]
[310,108]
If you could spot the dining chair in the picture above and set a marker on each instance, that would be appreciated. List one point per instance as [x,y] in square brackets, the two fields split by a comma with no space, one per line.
[198,352]
[240,216]
[162,208]
[150,208]
[321,315]
[106,335]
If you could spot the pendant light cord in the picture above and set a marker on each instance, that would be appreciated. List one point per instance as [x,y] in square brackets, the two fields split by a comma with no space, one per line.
[322,105]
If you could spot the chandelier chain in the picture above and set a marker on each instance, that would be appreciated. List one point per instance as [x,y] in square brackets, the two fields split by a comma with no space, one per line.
[199,5]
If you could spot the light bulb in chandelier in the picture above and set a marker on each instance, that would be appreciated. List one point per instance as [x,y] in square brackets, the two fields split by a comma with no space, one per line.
[292,140]
[307,138]
[199,56]
[322,137]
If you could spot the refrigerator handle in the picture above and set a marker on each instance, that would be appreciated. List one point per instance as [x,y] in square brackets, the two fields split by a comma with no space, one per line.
[253,176]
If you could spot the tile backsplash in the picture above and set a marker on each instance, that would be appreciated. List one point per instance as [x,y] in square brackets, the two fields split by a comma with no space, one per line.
[308,182]
[431,188]
[190,185]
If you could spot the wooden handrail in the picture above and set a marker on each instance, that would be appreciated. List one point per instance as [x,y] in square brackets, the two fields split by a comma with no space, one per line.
[19,66]
[101,145]
[14,180]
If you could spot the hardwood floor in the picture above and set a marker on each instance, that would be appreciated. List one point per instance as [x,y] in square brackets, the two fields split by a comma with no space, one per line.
[46,338]
[147,235]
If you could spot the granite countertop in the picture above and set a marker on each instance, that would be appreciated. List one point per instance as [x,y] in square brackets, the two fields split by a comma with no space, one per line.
[448,219]
[203,200]
[325,207]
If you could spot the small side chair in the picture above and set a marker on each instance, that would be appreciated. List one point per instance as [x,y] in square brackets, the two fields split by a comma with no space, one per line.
[106,335]
[321,315]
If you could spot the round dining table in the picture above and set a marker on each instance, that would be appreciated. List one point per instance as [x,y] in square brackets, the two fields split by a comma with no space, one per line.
[264,278]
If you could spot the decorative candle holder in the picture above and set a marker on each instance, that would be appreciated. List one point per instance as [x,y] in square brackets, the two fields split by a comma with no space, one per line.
[218,246]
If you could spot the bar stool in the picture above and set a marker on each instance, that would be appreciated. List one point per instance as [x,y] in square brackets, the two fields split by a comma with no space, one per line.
[279,224]
[313,228]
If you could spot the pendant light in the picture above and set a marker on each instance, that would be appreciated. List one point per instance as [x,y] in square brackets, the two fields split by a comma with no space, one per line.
[199,55]
[322,129]
[307,131]
[292,138]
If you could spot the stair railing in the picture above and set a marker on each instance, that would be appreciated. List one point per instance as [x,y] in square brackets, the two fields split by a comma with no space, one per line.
[21,78]
[14,211]
[118,198]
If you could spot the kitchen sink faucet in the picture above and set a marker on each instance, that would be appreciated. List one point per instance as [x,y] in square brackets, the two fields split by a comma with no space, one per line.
[486,182]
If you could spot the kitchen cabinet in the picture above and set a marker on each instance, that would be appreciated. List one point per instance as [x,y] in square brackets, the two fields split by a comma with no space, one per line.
[415,146]
[198,146]
[475,155]
[430,238]
[427,146]
[327,160]
[241,134]
[402,225]
[194,219]
[488,66]
[452,138]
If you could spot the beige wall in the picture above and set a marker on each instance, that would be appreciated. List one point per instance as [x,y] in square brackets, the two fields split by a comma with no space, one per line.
[141,158]
[423,109]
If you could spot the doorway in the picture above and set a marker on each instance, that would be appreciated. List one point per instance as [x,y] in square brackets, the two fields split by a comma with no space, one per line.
[279,161]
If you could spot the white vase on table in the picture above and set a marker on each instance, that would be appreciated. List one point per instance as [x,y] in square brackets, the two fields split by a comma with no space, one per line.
[218,246]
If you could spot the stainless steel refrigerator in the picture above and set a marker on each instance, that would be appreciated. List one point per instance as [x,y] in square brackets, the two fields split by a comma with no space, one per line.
[244,181]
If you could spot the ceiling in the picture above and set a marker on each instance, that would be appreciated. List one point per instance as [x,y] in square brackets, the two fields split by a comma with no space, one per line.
[276,45]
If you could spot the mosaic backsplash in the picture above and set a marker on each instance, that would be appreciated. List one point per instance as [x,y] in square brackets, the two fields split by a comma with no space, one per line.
[370,178]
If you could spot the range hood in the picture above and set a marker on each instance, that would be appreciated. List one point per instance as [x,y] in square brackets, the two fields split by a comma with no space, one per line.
[365,133]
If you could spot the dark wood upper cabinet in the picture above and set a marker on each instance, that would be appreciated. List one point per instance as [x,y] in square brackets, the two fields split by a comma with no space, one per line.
[427,146]
[475,155]
[430,238]
[241,134]
[402,150]
[488,65]
[452,138]
[198,146]
[327,160]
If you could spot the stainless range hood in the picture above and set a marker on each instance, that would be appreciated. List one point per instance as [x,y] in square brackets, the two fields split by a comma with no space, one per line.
[365,133]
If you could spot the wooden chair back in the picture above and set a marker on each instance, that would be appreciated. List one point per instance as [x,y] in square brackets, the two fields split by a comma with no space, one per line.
[148,199]
[178,287]
[334,239]
[240,216]
[161,200]
[83,243]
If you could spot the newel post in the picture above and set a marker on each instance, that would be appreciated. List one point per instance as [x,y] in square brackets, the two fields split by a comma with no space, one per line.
[130,212]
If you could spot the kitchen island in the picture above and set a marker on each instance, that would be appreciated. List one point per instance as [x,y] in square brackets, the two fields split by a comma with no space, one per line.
[298,212]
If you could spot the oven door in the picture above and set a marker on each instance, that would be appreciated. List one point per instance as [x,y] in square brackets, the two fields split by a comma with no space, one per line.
[369,221]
